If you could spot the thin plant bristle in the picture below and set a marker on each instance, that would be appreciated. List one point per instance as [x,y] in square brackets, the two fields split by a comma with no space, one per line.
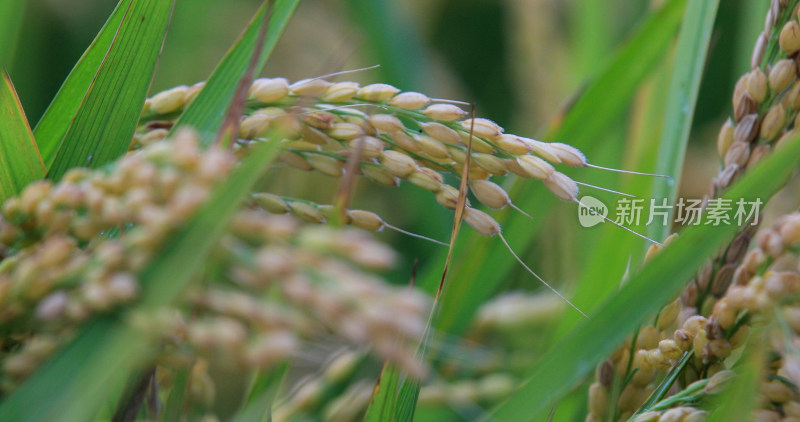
[343,106]
[639,173]
[627,272]
[521,262]
[345,72]
[606,189]
[516,208]
[446,101]
[419,236]
[615,223]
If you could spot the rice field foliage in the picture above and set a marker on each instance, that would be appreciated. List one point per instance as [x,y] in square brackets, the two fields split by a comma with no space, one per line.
[400,211]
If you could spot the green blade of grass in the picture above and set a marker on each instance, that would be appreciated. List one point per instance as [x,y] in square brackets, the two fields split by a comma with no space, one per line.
[640,154]
[11,12]
[77,381]
[106,119]
[748,31]
[593,26]
[407,401]
[408,395]
[20,162]
[576,355]
[662,157]
[59,114]
[608,94]
[663,388]
[738,402]
[259,401]
[104,123]
[173,409]
[74,384]
[384,397]
[206,113]
[600,105]
[689,60]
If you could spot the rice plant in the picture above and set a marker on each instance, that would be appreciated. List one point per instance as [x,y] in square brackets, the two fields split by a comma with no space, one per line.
[388,242]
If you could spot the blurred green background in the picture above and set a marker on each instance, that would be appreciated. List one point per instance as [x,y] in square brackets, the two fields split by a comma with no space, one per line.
[520,61]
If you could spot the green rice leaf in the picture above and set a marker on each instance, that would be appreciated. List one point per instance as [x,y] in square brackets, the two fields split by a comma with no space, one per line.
[609,93]
[594,112]
[640,154]
[11,12]
[593,25]
[407,397]
[102,129]
[663,387]
[20,162]
[176,400]
[57,118]
[741,398]
[693,42]
[259,402]
[662,157]
[384,397]
[576,355]
[207,112]
[407,400]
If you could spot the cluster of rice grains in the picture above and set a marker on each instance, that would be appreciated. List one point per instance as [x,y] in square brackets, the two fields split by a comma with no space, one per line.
[738,291]
[700,342]
[407,136]
[471,378]
[402,136]
[766,100]
[75,249]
